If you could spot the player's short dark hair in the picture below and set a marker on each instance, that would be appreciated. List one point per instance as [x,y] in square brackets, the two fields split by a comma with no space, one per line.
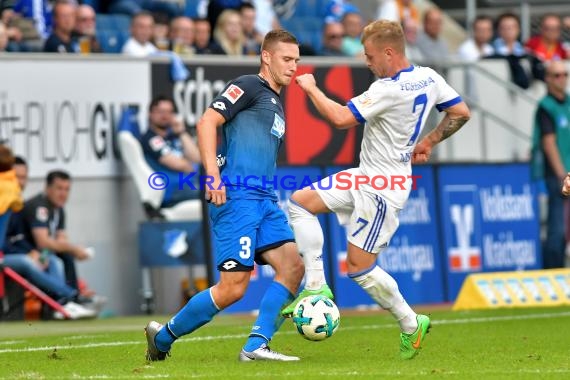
[57,174]
[160,98]
[6,158]
[19,160]
[278,35]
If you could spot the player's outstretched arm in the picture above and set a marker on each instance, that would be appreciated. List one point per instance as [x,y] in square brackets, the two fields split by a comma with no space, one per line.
[566,185]
[456,116]
[336,114]
[207,136]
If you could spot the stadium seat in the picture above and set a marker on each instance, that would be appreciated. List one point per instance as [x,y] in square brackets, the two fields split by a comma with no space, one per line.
[104,22]
[121,23]
[307,8]
[191,9]
[151,199]
[133,157]
[111,40]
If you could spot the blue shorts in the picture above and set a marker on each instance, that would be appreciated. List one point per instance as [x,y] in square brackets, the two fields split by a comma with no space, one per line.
[245,228]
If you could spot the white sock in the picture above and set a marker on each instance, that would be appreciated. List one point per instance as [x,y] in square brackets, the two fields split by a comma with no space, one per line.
[384,290]
[310,240]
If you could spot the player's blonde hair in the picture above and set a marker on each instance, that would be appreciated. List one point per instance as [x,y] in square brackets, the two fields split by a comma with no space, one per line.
[385,32]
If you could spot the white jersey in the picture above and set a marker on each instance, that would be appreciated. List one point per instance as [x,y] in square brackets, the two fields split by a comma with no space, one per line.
[394,111]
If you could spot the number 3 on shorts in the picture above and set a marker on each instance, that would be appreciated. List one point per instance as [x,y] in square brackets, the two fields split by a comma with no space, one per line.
[245,242]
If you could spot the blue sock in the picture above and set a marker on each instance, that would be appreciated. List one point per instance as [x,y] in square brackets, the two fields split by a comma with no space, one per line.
[269,319]
[199,310]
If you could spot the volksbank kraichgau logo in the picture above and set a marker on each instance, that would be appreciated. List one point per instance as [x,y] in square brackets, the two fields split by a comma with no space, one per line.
[464,257]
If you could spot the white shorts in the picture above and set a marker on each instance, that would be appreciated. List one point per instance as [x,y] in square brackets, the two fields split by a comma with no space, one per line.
[369,220]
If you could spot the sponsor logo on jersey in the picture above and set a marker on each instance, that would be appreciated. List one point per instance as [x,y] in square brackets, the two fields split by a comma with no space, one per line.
[278,128]
[364,100]
[233,93]
[42,214]
[157,143]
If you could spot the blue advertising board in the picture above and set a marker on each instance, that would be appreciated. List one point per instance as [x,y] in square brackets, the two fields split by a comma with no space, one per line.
[171,244]
[412,256]
[490,220]
[287,180]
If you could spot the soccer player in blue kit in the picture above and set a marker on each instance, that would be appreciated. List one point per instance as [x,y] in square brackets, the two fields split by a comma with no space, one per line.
[248,224]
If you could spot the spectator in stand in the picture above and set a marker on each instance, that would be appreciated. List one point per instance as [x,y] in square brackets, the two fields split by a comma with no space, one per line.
[161,31]
[430,42]
[507,46]
[229,33]
[3,37]
[61,39]
[182,36]
[478,46]
[44,270]
[134,7]
[397,10]
[333,32]
[335,9]
[85,27]
[252,37]
[265,17]
[547,46]
[413,52]
[217,7]
[38,12]
[353,25]
[408,10]
[203,43]
[139,45]
[10,191]
[508,30]
[9,18]
[168,148]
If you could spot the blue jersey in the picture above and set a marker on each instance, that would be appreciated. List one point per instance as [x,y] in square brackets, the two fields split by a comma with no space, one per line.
[252,135]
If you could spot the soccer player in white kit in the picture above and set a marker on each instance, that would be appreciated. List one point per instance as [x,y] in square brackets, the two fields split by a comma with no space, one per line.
[367,199]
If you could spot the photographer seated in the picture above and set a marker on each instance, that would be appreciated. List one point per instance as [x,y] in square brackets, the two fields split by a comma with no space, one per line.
[170,150]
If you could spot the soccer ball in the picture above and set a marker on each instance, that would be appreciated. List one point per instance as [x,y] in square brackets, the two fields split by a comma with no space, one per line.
[316,317]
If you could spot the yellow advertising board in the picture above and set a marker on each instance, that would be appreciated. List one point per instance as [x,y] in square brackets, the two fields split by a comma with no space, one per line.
[514,289]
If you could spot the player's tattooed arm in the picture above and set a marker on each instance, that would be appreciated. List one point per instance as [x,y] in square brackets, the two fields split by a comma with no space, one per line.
[455,118]
[448,127]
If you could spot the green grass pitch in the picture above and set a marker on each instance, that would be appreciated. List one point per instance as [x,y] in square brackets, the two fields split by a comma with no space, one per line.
[493,344]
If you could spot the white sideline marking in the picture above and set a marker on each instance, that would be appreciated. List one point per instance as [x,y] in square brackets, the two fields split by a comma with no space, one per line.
[9,342]
[240,336]
[337,373]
